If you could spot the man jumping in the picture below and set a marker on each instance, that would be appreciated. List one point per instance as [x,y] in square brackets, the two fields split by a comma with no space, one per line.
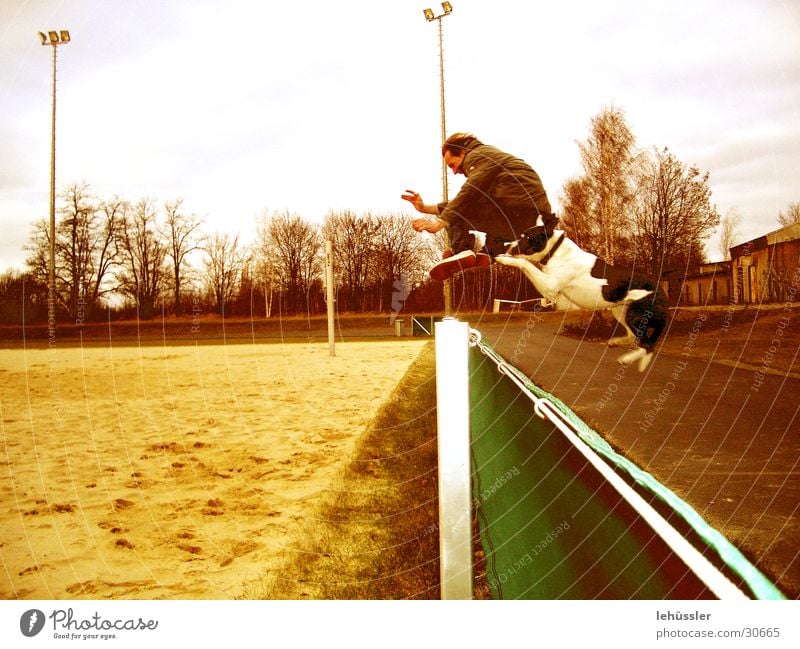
[501,198]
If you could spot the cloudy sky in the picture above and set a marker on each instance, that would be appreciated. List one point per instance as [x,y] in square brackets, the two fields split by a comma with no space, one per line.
[238,106]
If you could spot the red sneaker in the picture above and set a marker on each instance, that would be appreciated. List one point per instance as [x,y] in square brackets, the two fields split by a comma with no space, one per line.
[448,267]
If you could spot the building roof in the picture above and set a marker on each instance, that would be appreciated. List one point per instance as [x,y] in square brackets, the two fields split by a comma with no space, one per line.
[788,233]
[710,269]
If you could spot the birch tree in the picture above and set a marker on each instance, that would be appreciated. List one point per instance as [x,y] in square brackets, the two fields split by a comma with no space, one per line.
[598,204]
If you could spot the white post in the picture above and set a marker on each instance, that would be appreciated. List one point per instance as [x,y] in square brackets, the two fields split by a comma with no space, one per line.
[331,297]
[455,498]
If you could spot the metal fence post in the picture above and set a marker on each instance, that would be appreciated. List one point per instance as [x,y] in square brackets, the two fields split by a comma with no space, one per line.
[455,499]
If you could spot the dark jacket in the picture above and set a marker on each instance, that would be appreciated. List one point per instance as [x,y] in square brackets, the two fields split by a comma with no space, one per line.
[509,182]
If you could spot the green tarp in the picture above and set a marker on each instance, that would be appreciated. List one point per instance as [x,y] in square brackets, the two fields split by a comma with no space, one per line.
[553,528]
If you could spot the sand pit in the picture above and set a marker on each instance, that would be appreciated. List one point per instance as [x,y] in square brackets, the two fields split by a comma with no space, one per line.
[173,472]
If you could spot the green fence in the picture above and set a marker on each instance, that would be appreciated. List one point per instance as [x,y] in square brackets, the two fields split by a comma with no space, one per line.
[553,526]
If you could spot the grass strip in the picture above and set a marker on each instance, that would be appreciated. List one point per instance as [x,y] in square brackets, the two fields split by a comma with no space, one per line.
[375,536]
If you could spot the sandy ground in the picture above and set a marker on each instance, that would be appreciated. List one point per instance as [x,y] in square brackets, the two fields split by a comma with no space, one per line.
[173,472]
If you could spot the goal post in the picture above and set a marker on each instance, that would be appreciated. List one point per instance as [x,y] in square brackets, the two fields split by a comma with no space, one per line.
[518,304]
[330,298]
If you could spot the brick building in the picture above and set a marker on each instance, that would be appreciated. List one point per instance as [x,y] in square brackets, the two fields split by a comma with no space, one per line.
[765,269]
[711,284]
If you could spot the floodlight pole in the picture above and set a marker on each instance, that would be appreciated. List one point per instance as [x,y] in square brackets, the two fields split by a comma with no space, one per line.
[54,39]
[441,102]
[447,9]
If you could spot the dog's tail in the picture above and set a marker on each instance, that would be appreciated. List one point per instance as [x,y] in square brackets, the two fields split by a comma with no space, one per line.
[636,294]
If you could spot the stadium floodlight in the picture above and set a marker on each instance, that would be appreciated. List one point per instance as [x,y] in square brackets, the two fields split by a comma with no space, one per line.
[54,39]
[430,17]
[447,9]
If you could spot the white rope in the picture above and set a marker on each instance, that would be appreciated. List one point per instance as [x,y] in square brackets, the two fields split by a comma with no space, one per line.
[419,324]
[709,574]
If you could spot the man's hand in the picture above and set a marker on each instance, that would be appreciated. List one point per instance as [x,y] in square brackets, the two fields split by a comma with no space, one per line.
[415,199]
[426,225]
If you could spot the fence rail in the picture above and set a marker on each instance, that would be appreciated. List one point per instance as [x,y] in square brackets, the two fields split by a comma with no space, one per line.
[560,513]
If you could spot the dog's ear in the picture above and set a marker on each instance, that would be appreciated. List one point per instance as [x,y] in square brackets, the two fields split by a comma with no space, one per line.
[550,223]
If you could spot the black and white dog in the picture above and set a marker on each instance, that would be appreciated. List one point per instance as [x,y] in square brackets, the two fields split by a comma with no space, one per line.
[570,277]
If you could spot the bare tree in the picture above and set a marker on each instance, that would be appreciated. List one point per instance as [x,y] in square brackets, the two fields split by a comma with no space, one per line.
[265,273]
[675,214]
[225,262]
[143,255]
[790,216]
[266,262]
[38,249]
[598,205]
[73,246]
[23,298]
[85,250]
[296,245]
[728,232]
[353,239]
[182,236]
[401,259]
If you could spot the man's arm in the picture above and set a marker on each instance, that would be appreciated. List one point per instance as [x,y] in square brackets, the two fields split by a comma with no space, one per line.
[423,225]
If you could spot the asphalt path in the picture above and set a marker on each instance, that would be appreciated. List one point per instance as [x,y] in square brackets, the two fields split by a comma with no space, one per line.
[725,440]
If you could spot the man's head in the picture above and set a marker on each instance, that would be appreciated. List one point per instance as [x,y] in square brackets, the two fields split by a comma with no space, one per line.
[455,148]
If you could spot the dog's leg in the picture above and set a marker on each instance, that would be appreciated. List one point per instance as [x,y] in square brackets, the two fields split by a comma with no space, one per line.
[639,354]
[647,318]
[620,314]
[545,284]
